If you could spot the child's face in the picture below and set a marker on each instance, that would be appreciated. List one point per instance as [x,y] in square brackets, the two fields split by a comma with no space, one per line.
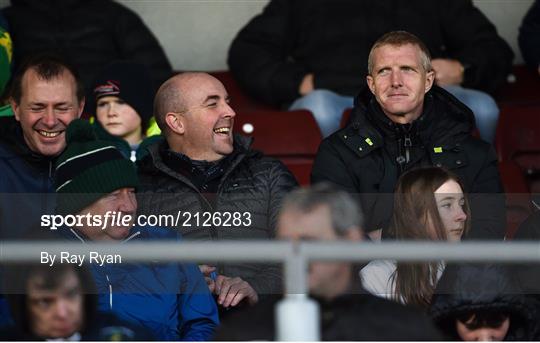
[58,312]
[484,333]
[450,201]
[119,118]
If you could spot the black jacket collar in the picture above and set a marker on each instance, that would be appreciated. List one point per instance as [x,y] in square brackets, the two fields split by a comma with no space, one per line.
[11,136]
[445,120]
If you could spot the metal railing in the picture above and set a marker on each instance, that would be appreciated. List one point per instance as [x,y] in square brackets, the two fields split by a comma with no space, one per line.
[294,255]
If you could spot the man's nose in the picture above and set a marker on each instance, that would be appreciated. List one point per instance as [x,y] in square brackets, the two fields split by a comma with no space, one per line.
[396,79]
[228,111]
[128,202]
[49,118]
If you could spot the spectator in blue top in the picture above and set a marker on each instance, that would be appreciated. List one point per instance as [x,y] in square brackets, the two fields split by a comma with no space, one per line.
[171,300]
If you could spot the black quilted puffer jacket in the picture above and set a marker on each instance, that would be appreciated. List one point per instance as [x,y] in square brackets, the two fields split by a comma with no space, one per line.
[251,183]
[467,287]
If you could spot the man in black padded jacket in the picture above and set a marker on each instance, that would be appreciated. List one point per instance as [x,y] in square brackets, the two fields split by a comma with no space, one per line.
[408,123]
[222,188]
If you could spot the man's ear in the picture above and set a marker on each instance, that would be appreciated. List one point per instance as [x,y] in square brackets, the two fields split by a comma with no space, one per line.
[354,233]
[15,108]
[175,122]
[371,83]
[81,107]
[430,78]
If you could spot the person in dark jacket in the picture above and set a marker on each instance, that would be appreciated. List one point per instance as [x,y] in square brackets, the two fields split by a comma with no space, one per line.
[528,39]
[347,312]
[46,97]
[312,54]
[171,300]
[202,171]
[122,97]
[475,302]
[409,123]
[59,302]
[88,33]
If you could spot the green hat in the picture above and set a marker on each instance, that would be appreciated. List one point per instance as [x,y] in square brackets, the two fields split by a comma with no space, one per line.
[89,169]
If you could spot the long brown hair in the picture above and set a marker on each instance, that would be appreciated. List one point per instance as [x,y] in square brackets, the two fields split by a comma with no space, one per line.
[414,218]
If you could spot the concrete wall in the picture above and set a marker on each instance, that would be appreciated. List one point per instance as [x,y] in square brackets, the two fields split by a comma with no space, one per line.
[196,33]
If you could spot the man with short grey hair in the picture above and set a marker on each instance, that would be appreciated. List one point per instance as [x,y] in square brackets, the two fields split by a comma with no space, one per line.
[344,214]
[405,123]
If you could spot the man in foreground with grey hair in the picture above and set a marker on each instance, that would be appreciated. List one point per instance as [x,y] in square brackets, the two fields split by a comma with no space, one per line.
[347,313]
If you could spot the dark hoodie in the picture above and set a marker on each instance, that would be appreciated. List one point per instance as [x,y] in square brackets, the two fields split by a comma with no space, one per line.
[369,155]
[467,287]
[88,33]
[26,182]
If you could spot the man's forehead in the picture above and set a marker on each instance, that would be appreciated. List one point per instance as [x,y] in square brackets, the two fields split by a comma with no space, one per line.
[63,83]
[314,224]
[199,88]
[32,76]
[387,51]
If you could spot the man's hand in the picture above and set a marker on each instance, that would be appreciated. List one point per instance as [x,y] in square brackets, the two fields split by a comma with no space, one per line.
[207,271]
[231,291]
[307,84]
[447,72]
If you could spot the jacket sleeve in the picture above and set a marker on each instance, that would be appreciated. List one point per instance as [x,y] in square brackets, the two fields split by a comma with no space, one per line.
[487,201]
[330,167]
[280,182]
[259,56]
[529,36]
[136,42]
[473,40]
[197,308]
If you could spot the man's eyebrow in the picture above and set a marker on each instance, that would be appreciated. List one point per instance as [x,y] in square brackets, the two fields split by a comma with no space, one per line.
[211,97]
[408,66]
[36,103]
[39,103]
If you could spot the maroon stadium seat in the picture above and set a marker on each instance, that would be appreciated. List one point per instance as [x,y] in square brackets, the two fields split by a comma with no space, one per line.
[518,136]
[518,205]
[523,88]
[291,136]
[239,99]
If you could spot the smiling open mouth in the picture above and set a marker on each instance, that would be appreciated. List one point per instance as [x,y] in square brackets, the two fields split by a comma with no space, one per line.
[49,134]
[222,130]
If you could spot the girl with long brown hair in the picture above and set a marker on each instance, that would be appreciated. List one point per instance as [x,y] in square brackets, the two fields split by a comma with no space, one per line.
[429,204]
